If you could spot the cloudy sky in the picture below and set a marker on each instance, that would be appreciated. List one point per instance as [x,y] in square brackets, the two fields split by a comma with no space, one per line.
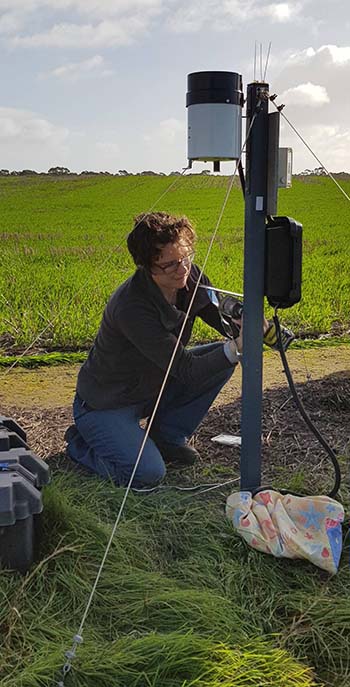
[101,84]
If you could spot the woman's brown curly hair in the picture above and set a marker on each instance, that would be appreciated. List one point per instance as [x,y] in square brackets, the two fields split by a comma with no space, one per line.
[154,230]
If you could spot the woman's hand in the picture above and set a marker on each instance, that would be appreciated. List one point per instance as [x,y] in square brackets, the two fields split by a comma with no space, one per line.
[237,343]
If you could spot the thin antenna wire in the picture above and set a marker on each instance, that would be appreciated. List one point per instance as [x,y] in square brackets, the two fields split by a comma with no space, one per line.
[255,62]
[261,51]
[267,60]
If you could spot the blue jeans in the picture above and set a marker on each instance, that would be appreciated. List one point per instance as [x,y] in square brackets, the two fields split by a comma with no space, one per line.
[108,441]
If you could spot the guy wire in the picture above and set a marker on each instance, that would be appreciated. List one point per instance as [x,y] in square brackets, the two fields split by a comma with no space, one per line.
[85,283]
[312,152]
[168,487]
[71,654]
[203,487]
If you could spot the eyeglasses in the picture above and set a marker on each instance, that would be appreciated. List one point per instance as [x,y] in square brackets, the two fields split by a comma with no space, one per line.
[173,266]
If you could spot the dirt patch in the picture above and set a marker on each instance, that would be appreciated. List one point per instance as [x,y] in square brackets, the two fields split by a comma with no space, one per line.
[53,387]
[40,401]
[291,454]
[45,387]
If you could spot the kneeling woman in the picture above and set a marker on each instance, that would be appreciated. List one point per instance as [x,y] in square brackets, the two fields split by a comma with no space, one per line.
[119,383]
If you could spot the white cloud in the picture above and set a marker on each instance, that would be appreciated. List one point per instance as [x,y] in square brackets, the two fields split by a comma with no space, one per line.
[193,16]
[102,35]
[109,150]
[326,55]
[330,143]
[308,94]
[310,79]
[99,8]
[169,129]
[162,147]
[84,23]
[10,22]
[339,55]
[28,127]
[168,136]
[64,22]
[112,8]
[72,71]
[282,11]
[166,131]
[328,65]
[29,141]
[9,127]
[19,4]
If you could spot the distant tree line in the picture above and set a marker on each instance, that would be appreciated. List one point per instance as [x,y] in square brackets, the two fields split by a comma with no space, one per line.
[63,171]
[319,172]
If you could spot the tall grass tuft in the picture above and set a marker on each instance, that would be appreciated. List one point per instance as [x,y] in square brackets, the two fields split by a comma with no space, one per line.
[181,601]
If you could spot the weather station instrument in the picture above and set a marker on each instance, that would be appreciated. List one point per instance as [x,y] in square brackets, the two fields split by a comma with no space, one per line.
[272,244]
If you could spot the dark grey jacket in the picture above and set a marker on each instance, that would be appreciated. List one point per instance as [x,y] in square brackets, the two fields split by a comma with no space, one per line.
[136,339]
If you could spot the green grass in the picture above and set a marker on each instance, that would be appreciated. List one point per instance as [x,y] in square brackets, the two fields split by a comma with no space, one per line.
[70,357]
[43,360]
[63,250]
[182,601]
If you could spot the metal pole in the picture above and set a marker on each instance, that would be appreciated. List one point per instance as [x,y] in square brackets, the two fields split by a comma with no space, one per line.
[254,259]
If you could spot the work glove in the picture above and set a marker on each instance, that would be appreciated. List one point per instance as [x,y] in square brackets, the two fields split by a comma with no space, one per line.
[270,336]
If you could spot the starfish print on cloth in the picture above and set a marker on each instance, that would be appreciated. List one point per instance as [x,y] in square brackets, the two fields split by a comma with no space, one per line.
[311,518]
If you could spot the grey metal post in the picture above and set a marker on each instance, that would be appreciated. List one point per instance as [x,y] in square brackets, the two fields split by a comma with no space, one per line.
[254,245]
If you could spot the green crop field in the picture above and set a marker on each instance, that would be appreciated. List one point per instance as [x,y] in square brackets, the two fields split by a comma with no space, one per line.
[63,250]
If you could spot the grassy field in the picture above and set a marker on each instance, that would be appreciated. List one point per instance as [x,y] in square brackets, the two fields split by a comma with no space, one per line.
[63,250]
[182,601]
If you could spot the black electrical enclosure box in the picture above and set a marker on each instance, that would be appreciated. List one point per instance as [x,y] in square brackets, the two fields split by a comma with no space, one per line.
[283,256]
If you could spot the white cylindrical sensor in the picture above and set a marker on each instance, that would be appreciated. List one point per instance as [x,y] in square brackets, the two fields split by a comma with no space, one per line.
[214,104]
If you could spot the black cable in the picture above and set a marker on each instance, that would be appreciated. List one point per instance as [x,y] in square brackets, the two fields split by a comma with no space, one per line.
[304,414]
[241,177]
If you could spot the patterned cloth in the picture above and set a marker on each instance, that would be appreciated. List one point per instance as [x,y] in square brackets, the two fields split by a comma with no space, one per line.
[290,526]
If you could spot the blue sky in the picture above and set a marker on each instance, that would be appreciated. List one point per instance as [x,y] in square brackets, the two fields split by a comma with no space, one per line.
[101,84]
